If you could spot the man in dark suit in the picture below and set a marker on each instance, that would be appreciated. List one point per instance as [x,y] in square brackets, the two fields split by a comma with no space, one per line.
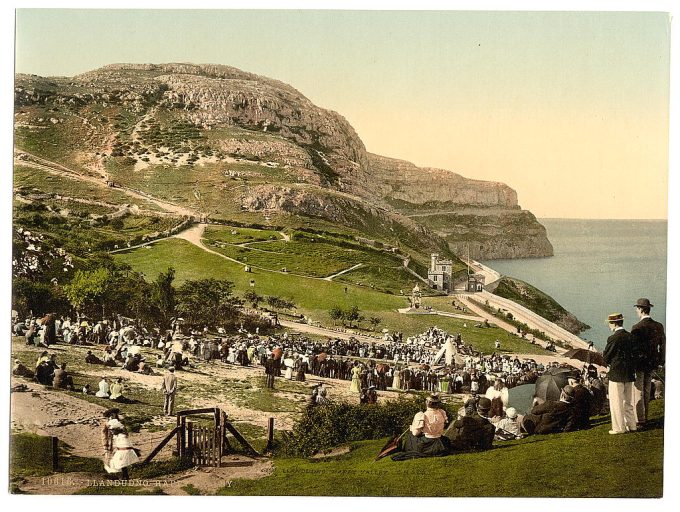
[473,431]
[551,416]
[581,406]
[649,352]
[618,354]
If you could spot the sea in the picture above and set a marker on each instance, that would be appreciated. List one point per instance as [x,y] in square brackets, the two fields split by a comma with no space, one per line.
[599,267]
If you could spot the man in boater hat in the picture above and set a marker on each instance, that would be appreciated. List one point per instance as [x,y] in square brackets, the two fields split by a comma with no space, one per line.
[618,354]
[649,351]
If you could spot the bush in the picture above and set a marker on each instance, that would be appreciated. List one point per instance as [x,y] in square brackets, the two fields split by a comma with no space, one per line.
[336,423]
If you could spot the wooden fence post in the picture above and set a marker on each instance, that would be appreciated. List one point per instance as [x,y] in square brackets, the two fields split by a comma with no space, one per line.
[190,440]
[270,434]
[55,454]
[179,436]
[183,437]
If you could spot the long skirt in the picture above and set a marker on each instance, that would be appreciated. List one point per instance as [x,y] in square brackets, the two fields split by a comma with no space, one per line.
[121,458]
[355,385]
[421,446]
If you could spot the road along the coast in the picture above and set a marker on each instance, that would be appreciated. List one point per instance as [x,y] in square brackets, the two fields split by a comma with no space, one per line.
[521,314]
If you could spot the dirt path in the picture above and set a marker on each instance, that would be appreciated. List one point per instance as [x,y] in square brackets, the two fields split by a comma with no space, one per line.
[329,333]
[330,278]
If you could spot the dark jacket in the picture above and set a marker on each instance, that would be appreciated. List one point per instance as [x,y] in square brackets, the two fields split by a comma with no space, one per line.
[649,344]
[548,418]
[581,404]
[618,354]
[471,433]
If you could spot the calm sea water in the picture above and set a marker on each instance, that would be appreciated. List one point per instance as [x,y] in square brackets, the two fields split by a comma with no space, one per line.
[600,267]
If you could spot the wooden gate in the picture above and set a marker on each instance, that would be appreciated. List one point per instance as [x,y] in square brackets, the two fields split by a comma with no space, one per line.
[203,445]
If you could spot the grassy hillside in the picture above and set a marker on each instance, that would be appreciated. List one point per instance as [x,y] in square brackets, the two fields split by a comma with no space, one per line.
[313,297]
[582,464]
[538,302]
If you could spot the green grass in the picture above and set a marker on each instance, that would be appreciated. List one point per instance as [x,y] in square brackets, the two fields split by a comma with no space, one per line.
[305,254]
[33,178]
[240,235]
[113,488]
[580,464]
[31,455]
[539,302]
[314,297]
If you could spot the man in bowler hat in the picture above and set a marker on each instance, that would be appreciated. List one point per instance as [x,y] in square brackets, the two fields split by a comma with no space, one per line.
[618,354]
[649,350]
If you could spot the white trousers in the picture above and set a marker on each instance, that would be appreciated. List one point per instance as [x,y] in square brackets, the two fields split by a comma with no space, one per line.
[621,407]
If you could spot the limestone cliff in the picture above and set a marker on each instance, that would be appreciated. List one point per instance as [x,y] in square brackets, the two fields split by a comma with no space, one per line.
[480,216]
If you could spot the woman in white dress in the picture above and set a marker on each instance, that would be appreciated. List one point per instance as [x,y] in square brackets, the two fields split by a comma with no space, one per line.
[288,375]
[119,452]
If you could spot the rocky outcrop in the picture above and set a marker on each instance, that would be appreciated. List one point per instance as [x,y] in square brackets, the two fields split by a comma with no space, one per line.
[343,209]
[402,182]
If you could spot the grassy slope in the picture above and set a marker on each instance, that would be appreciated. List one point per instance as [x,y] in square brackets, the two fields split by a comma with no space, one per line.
[313,297]
[538,302]
[580,464]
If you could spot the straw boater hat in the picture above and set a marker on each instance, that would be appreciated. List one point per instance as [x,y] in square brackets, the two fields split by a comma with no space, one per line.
[615,317]
[643,303]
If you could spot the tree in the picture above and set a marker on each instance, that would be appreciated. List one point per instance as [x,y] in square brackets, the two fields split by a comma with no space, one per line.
[86,290]
[336,315]
[253,298]
[163,297]
[208,302]
[353,314]
[279,303]
[374,321]
[38,298]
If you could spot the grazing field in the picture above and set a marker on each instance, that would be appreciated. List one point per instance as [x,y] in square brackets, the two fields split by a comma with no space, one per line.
[239,235]
[38,180]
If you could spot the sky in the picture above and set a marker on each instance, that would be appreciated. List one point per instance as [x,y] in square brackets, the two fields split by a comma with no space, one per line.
[568,108]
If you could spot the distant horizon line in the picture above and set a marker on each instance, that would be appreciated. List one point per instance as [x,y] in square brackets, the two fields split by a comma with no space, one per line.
[599,218]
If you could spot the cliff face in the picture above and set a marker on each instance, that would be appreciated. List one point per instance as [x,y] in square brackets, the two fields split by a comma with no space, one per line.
[398,180]
[146,125]
[480,216]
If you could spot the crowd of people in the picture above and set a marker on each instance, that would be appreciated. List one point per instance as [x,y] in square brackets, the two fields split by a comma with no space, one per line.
[410,364]
[631,358]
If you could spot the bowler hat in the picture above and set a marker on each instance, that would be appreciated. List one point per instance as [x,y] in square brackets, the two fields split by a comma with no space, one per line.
[643,303]
[615,317]
[568,390]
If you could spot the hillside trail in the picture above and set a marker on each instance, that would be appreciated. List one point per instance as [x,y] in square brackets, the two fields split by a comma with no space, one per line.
[63,171]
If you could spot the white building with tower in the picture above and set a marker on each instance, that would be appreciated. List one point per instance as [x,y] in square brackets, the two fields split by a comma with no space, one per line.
[439,274]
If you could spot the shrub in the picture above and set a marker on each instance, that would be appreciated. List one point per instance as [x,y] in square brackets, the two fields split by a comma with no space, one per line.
[335,423]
